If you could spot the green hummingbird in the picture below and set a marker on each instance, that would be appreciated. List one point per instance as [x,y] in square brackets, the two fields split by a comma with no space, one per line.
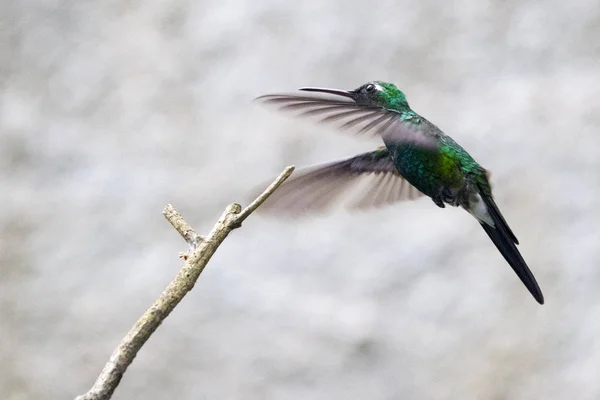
[417,159]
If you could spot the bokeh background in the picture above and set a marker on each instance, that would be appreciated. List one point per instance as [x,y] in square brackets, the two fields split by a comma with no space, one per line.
[109,110]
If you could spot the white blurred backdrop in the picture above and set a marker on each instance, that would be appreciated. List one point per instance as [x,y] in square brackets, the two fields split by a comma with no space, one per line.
[109,110]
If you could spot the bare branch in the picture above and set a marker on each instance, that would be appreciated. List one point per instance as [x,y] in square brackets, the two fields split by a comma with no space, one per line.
[202,250]
[265,195]
[181,225]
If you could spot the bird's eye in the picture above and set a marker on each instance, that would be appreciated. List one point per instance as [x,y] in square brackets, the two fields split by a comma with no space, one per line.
[369,88]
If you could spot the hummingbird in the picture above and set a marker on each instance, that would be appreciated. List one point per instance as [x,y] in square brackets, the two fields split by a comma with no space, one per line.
[417,159]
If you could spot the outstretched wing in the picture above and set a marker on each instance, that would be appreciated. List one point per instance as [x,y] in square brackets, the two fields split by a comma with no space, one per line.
[364,181]
[345,115]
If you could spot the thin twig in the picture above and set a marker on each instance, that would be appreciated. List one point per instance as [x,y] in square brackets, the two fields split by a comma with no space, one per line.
[181,225]
[265,195]
[185,280]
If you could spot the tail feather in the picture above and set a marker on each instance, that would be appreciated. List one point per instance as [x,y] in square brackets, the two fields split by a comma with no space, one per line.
[506,242]
[499,220]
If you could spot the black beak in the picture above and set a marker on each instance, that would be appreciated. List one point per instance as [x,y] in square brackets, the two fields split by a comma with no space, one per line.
[345,93]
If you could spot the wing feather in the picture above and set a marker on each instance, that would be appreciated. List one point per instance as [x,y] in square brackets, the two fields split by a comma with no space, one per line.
[367,180]
[346,115]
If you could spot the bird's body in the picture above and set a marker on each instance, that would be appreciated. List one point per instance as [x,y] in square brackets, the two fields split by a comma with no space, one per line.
[417,153]
[440,174]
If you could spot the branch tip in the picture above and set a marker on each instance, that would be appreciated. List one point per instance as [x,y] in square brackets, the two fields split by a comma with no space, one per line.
[265,195]
[181,226]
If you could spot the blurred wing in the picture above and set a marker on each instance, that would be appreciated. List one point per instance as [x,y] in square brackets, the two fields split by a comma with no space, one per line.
[346,115]
[364,181]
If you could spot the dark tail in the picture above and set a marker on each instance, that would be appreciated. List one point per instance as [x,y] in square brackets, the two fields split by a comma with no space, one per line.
[506,242]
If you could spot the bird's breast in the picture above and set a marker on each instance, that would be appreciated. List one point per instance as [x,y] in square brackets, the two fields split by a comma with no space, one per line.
[428,170]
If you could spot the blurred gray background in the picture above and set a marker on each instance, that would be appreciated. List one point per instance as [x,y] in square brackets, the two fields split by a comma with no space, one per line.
[109,110]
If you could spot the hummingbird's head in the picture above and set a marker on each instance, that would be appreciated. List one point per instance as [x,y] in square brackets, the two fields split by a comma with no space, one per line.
[372,94]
